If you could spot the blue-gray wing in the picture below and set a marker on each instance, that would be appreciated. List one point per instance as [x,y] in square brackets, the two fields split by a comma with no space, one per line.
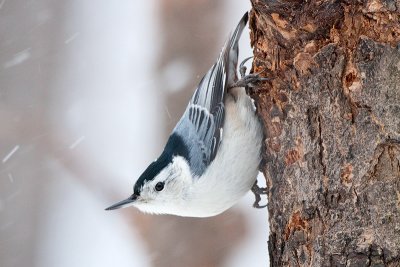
[201,126]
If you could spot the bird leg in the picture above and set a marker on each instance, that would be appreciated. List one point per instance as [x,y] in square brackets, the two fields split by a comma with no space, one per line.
[257,192]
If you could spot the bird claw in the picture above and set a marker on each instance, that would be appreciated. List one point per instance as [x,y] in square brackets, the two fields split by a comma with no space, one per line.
[257,192]
[248,81]
[243,68]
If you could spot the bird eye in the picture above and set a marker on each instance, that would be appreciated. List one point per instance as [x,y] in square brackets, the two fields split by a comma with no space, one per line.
[159,186]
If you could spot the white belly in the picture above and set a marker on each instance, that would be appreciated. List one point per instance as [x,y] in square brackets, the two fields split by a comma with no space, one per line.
[235,167]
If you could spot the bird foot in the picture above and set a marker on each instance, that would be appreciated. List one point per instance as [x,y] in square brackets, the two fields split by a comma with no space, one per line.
[258,191]
[250,80]
[243,68]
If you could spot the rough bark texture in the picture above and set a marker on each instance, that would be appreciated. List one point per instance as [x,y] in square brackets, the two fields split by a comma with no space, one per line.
[332,122]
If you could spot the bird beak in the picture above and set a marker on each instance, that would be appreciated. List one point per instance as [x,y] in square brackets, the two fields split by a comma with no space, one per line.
[124,203]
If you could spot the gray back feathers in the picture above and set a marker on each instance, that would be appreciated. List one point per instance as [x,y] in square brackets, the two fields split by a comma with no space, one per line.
[201,126]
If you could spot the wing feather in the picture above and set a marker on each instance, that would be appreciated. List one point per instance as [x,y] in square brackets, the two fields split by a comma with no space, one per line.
[201,126]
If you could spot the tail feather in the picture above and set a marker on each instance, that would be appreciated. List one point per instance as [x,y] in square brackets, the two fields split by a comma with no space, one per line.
[230,51]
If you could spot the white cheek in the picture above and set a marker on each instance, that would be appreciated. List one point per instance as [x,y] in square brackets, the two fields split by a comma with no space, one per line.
[173,198]
[182,170]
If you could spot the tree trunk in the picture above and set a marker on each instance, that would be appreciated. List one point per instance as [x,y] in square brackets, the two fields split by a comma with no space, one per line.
[331,113]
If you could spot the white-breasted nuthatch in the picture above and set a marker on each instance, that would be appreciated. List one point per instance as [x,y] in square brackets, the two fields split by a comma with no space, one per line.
[211,158]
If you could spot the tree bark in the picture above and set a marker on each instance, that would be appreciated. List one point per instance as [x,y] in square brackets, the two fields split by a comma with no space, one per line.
[331,114]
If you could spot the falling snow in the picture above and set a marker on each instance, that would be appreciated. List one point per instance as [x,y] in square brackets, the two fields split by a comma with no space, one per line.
[71,38]
[77,142]
[9,155]
[18,58]
[167,111]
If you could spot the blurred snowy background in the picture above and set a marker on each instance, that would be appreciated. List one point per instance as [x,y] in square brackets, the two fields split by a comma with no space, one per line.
[89,91]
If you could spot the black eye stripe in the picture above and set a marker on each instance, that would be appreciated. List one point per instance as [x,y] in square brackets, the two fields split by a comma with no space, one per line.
[159,186]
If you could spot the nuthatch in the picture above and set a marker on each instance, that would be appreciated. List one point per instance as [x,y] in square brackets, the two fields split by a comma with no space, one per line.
[212,157]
